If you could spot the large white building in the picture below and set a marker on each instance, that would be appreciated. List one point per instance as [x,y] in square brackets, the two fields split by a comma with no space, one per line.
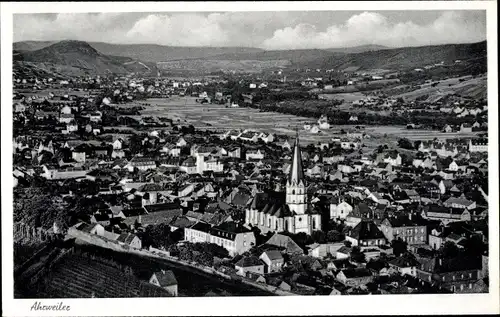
[289,212]
[234,238]
[208,164]
[478,145]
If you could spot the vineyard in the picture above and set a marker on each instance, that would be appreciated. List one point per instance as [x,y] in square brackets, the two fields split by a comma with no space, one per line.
[81,277]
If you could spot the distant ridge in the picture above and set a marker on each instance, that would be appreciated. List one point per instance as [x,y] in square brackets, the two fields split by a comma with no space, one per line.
[405,57]
[146,52]
[358,49]
[82,57]
[78,57]
[163,53]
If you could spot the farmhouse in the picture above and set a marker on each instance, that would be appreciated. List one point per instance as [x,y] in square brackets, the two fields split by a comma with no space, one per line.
[365,233]
[249,264]
[165,280]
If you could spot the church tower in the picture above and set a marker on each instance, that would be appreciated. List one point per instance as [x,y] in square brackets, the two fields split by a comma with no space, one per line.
[295,187]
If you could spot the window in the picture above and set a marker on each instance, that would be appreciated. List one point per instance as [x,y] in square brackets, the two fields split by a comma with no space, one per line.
[461,287]
[470,285]
[314,223]
[470,275]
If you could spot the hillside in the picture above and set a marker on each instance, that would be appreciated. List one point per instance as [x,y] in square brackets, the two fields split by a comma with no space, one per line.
[147,52]
[79,58]
[357,49]
[76,57]
[403,58]
[294,56]
[31,45]
[162,53]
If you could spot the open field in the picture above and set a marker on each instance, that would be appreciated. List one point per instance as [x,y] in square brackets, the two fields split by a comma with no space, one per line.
[214,65]
[58,92]
[471,87]
[348,97]
[218,117]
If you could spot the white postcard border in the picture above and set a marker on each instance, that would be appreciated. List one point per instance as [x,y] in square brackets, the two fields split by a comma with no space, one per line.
[307,305]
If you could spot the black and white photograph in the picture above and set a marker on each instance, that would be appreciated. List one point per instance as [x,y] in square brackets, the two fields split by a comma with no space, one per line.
[250,153]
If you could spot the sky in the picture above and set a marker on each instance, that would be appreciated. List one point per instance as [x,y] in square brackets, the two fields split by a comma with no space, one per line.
[267,30]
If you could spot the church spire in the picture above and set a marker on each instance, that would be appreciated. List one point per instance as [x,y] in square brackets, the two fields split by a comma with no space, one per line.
[296,175]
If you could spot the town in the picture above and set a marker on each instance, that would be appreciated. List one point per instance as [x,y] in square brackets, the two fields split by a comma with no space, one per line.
[278,180]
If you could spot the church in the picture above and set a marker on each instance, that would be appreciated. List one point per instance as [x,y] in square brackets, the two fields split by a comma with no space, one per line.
[289,211]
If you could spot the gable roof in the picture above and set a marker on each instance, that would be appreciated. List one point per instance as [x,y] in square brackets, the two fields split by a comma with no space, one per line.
[166,278]
[126,237]
[356,273]
[285,242]
[247,261]
[273,254]
[366,230]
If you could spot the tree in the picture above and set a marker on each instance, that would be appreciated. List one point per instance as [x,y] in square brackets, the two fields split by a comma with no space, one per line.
[405,144]
[334,236]
[398,246]
[318,237]
[449,250]
[416,144]
[135,144]
[158,236]
[474,246]
[357,255]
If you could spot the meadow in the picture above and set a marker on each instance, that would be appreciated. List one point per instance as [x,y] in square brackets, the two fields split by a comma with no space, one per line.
[186,110]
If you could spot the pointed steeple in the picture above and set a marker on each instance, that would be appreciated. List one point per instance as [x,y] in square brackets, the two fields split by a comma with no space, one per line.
[296,175]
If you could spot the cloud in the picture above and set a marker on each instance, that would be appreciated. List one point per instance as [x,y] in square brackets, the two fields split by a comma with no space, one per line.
[179,30]
[270,30]
[375,28]
[78,26]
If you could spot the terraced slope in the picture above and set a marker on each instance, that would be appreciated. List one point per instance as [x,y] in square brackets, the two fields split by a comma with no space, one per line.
[80,277]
